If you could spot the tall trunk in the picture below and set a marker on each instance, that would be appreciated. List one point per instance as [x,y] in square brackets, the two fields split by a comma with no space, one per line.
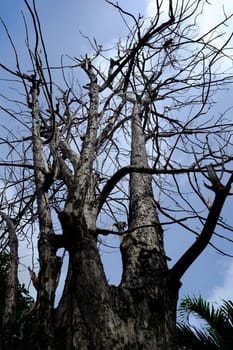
[86,300]
[140,313]
[85,317]
[145,242]
[46,281]
[145,271]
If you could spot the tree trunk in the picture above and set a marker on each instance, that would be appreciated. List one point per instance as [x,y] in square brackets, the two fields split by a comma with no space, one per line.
[8,324]
[140,313]
[145,271]
[46,281]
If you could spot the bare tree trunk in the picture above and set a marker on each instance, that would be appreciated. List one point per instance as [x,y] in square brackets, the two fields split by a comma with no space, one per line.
[144,261]
[85,317]
[9,316]
[140,313]
[46,281]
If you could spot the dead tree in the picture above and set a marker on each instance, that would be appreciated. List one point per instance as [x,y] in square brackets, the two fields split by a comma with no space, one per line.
[134,144]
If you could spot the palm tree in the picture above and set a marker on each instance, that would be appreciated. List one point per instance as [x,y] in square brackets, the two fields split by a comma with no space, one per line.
[217,332]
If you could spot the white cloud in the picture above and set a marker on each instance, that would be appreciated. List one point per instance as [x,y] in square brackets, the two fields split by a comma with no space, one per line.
[224,291]
[214,12]
[151,10]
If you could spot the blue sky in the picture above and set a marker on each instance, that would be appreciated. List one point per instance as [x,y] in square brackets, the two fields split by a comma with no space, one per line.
[62,21]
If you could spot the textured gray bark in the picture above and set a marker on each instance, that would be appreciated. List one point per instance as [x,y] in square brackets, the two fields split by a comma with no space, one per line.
[46,281]
[144,261]
[140,313]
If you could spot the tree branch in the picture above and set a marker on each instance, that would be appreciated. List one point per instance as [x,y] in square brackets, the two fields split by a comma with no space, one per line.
[111,183]
[202,241]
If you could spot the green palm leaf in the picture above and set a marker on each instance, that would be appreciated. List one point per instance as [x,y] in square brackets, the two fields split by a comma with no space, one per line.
[190,338]
[218,325]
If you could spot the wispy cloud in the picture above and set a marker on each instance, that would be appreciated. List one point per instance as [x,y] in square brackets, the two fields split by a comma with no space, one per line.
[214,12]
[224,290]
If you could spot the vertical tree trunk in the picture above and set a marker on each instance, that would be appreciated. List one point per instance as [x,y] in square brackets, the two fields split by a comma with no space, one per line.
[140,313]
[85,317]
[145,271]
[145,242]
[49,264]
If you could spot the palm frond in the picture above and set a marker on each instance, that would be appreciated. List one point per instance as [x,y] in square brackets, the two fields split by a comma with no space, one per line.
[227,311]
[218,330]
[200,308]
[190,338]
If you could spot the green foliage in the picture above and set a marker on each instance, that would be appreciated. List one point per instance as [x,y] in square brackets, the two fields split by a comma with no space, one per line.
[217,332]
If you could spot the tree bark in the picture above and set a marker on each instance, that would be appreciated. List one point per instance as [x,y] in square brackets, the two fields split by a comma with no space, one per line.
[46,282]
[8,324]
[145,271]
[140,313]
